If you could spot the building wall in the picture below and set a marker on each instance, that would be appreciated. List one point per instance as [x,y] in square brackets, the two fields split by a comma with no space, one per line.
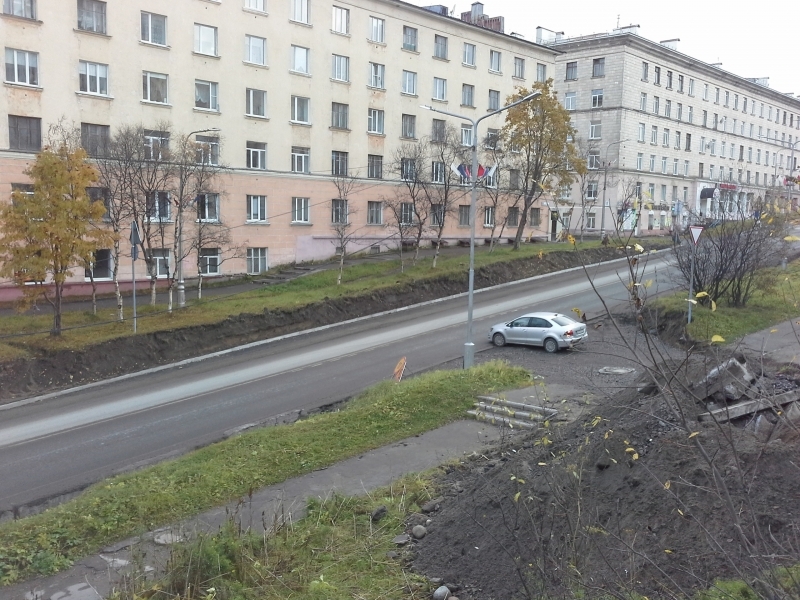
[60,45]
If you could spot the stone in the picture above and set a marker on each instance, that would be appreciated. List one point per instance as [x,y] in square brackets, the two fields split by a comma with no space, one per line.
[432,505]
[416,519]
[441,593]
[419,532]
[167,538]
[392,555]
[402,540]
[378,513]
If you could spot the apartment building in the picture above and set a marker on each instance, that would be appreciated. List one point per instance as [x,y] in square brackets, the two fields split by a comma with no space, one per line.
[286,93]
[689,139]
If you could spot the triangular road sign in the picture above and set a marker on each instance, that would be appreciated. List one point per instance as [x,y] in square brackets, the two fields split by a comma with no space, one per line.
[695,230]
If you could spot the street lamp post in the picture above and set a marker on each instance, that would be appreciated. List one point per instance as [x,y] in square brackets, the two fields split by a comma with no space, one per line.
[181,190]
[605,180]
[469,346]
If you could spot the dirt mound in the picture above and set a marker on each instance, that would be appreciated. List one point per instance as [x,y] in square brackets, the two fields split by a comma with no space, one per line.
[625,502]
[59,370]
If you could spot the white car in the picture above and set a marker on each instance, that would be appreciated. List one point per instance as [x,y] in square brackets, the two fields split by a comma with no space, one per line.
[553,331]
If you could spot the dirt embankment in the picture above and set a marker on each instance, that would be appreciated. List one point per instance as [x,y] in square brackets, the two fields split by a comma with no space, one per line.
[62,369]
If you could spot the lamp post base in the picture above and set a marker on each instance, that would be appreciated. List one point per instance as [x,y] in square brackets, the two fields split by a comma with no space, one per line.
[181,294]
[469,355]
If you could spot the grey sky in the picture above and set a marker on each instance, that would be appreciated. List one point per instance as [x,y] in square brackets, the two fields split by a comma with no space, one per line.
[750,40]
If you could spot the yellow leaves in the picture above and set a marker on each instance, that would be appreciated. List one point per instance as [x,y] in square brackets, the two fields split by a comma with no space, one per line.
[638,248]
[693,434]
[596,421]
[713,306]
[571,239]
[692,300]
[773,331]
[717,339]
[701,295]
[607,434]
[667,484]
[542,464]
[632,451]
[680,512]
[667,551]
[577,311]
[516,497]
[540,255]
[648,283]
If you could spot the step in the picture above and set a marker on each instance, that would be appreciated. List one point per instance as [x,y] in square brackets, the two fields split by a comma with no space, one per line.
[548,412]
[509,412]
[504,421]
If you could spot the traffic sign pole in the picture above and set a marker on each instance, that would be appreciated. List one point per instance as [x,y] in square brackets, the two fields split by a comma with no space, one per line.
[695,230]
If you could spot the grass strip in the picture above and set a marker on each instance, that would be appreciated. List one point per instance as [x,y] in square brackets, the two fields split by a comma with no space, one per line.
[137,502]
[776,299]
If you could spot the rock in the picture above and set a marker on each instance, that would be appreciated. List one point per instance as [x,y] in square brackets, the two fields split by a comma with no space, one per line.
[378,513]
[167,538]
[402,540]
[417,519]
[431,505]
[419,532]
[441,593]
[437,581]
[453,587]
[392,555]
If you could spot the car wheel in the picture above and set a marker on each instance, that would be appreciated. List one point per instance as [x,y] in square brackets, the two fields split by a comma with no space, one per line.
[498,339]
[550,345]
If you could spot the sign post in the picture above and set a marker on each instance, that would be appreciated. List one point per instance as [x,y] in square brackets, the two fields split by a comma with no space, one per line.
[135,241]
[695,230]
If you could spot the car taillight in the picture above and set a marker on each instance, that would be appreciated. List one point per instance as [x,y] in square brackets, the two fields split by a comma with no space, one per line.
[568,333]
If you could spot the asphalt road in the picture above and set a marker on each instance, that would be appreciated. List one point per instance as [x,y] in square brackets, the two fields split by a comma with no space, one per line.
[65,442]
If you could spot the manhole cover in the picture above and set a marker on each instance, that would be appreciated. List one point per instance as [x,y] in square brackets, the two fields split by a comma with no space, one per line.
[615,370]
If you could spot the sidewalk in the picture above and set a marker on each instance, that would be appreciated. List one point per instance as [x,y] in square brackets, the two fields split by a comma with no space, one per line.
[779,343]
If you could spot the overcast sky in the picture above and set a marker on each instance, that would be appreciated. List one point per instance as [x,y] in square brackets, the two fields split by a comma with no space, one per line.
[749,39]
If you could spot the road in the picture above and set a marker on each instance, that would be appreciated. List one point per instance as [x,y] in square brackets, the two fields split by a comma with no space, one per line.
[54,446]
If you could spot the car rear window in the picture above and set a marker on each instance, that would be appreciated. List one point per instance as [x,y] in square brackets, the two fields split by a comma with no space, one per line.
[563,321]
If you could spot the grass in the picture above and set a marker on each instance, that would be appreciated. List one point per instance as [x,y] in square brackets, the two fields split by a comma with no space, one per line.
[777,299]
[137,502]
[83,328]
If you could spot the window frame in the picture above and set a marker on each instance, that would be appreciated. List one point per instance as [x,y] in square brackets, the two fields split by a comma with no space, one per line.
[409,77]
[30,68]
[340,20]
[257,256]
[440,46]
[97,10]
[374,212]
[410,40]
[213,95]
[209,259]
[408,126]
[248,45]
[256,205]
[571,71]
[519,67]
[377,30]
[200,41]
[374,166]
[300,12]
[28,9]
[147,78]
[250,95]
[34,134]
[377,76]
[439,89]
[339,212]
[469,51]
[149,28]
[340,116]
[301,159]
[303,67]
[256,155]
[301,209]
[300,104]
[495,61]
[376,118]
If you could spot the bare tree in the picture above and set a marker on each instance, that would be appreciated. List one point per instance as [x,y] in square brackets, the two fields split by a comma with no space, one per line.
[410,207]
[346,185]
[212,245]
[588,179]
[500,193]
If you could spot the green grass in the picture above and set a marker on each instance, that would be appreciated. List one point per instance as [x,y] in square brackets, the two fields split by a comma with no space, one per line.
[133,503]
[776,300]
[84,329]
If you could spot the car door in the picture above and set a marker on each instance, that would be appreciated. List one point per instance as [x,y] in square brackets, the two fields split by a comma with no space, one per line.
[537,330]
[517,331]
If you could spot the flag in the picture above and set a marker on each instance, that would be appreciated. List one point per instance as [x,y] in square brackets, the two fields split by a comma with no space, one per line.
[465,172]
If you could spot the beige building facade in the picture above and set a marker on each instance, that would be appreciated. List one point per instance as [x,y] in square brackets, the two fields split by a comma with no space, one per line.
[678,138]
[285,93]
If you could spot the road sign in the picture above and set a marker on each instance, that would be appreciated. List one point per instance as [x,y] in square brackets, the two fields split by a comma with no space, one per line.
[135,240]
[695,230]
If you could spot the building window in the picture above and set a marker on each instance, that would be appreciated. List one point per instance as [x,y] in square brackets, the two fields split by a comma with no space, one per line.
[375,118]
[207,150]
[594,159]
[255,50]
[24,133]
[339,163]
[645,70]
[654,134]
[92,16]
[101,265]
[536,217]
[437,215]
[488,216]
[570,100]
[95,138]
[208,207]
[156,144]
[664,164]
[209,261]
[439,89]
[641,134]
[597,98]
[591,223]
[300,11]
[685,169]
[674,166]
[254,5]
[300,109]
[463,215]
[657,75]
[494,99]
[469,54]
[408,169]
[643,101]
[677,140]
[438,131]
[541,72]
[22,67]
[157,206]
[154,87]
[468,95]
[639,161]
[519,67]
[338,211]
[492,136]
[256,261]
[665,138]
[374,213]
[300,63]
[595,130]
[668,108]
[690,118]
[300,210]
[377,30]
[410,36]
[375,166]
[160,256]
[680,83]
[466,135]
[206,95]
[377,74]
[340,115]
[20,8]
[652,162]
[691,87]
[406,213]
[256,155]
[205,39]
[440,46]
[301,157]
[340,20]
[410,83]
[495,61]
[409,126]
[599,67]
[572,71]
[255,103]
[438,174]
[257,208]
[154,28]
[656,105]
[679,114]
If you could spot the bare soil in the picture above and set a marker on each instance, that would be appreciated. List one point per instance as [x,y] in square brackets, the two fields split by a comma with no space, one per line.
[622,500]
[62,369]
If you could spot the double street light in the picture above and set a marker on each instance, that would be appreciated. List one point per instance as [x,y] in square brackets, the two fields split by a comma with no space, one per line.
[181,191]
[469,346]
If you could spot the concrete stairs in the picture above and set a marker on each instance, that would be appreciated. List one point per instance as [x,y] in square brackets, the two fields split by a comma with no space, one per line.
[507,413]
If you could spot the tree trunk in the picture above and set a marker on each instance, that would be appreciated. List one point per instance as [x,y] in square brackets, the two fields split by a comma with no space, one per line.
[401,254]
[153,290]
[341,267]
[199,285]
[436,253]
[118,294]
[169,295]
[94,293]
[56,331]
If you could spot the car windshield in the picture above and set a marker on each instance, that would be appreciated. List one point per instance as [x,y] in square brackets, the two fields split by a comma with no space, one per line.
[563,321]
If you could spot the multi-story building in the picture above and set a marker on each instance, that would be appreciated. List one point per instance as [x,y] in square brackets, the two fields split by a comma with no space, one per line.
[687,139]
[285,93]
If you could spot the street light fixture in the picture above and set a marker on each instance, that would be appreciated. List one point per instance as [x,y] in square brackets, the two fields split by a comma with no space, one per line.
[605,179]
[181,283]
[469,346]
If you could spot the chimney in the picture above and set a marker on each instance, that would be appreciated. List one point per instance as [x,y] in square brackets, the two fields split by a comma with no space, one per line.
[671,44]
[633,29]
[477,11]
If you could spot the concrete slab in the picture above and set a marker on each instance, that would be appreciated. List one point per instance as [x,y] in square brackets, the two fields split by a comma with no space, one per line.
[780,343]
